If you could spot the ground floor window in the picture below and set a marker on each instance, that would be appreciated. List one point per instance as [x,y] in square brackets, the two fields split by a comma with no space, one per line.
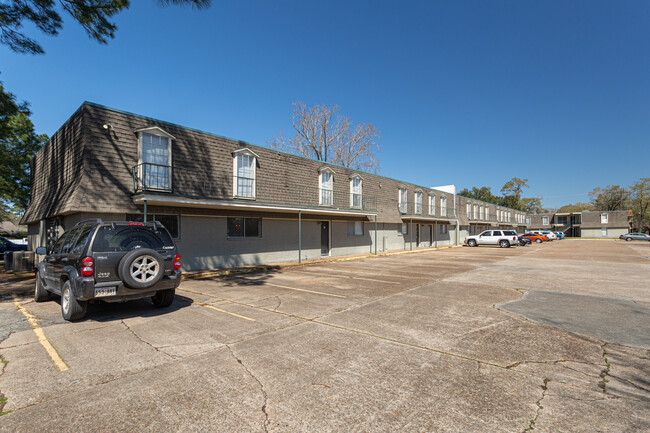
[355,228]
[403,228]
[244,227]
[603,232]
[171,222]
[443,229]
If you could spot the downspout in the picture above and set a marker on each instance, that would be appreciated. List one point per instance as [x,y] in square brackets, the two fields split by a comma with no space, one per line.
[375,234]
[411,232]
[435,234]
[457,237]
[299,236]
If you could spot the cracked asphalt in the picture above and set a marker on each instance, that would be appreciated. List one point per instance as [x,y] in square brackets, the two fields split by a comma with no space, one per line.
[409,342]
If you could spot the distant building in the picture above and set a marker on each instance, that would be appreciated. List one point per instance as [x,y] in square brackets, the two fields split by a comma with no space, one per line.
[586,224]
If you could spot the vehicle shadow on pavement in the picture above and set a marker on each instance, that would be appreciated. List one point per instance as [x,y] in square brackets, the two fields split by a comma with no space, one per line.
[258,278]
[112,311]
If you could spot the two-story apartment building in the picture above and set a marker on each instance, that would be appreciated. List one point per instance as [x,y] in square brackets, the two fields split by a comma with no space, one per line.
[474,216]
[225,202]
[590,224]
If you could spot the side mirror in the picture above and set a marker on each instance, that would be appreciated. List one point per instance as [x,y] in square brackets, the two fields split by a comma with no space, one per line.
[41,251]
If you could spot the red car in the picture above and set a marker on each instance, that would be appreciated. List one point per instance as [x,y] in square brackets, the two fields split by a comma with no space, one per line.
[534,237]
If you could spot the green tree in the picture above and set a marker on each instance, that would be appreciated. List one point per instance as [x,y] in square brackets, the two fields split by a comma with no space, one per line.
[18,144]
[532,205]
[610,198]
[639,201]
[93,15]
[578,207]
[483,193]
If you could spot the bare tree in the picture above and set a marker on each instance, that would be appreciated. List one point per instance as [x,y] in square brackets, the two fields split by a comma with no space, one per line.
[325,135]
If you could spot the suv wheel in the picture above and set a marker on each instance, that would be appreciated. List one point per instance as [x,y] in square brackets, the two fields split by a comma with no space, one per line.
[471,243]
[628,239]
[504,244]
[40,292]
[163,298]
[71,308]
[141,268]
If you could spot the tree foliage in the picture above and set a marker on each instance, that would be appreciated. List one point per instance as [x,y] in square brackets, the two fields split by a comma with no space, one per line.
[95,16]
[325,135]
[578,207]
[483,193]
[512,196]
[18,144]
[639,203]
[610,198]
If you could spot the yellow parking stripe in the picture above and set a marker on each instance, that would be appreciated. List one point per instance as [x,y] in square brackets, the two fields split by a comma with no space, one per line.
[224,311]
[305,290]
[51,351]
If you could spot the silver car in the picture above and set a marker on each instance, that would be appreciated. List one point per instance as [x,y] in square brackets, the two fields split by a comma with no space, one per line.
[635,237]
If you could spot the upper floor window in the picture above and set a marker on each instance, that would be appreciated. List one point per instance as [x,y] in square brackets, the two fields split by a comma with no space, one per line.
[402,200]
[155,158]
[244,168]
[418,202]
[604,218]
[476,215]
[355,192]
[527,220]
[326,187]
[545,220]
[469,211]
[443,205]
[432,204]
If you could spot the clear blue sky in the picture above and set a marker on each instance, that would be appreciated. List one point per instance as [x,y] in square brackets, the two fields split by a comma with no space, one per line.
[470,93]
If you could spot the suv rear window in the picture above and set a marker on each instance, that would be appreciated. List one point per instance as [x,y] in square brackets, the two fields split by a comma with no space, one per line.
[129,238]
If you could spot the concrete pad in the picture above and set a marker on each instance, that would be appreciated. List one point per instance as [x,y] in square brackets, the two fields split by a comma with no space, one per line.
[613,320]
[460,319]
[572,409]
[319,378]
[211,392]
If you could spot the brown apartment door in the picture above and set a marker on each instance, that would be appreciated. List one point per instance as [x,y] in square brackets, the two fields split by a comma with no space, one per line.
[325,238]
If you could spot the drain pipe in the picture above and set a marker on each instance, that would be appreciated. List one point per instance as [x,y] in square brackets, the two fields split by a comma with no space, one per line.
[375,234]
[299,236]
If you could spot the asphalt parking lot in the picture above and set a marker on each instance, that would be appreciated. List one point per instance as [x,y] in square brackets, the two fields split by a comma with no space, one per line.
[433,341]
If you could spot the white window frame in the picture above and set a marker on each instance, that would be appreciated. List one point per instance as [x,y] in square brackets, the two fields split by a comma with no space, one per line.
[235,175]
[476,215]
[404,229]
[417,208]
[353,193]
[356,228]
[443,229]
[443,206]
[544,220]
[469,211]
[157,131]
[402,194]
[432,204]
[321,198]
[527,220]
[603,232]
[604,218]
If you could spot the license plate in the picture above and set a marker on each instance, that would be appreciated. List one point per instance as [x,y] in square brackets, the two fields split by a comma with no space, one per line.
[105,291]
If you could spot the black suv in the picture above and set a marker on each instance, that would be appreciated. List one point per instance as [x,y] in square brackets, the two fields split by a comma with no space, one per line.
[110,261]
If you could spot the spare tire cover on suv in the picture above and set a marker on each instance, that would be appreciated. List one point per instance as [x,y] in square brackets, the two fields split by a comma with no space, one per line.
[141,268]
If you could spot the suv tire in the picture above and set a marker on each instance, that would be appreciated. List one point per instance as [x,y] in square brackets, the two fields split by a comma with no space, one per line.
[628,239]
[471,243]
[163,298]
[141,268]
[504,244]
[40,292]
[71,308]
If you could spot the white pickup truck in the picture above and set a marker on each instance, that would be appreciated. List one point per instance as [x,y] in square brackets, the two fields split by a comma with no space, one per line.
[502,238]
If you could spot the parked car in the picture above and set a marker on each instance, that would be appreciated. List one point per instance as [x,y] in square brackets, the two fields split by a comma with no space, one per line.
[113,262]
[549,234]
[635,237]
[535,237]
[560,235]
[523,241]
[503,238]
[7,245]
